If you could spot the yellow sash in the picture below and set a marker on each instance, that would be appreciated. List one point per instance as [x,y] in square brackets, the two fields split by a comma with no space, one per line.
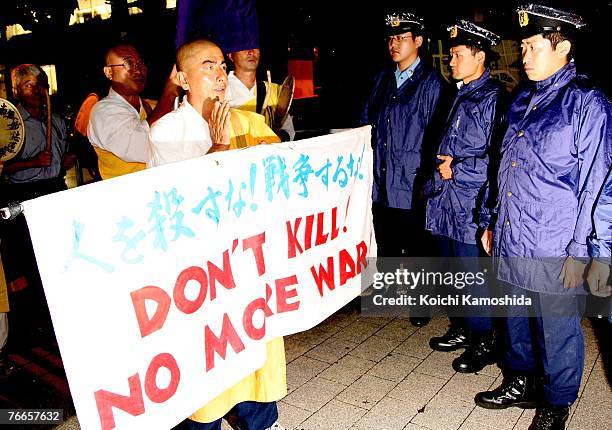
[111,166]
[269,383]
[249,129]
[251,105]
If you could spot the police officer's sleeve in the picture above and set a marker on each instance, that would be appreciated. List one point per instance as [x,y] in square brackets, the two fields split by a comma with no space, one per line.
[430,112]
[600,241]
[489,208]
[470,167]
[489,205]
[593,137]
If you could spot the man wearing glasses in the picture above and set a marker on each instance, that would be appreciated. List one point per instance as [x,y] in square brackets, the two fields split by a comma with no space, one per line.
[119,124]
[400,109]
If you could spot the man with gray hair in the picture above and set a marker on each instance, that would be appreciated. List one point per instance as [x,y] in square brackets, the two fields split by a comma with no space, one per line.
[38,169]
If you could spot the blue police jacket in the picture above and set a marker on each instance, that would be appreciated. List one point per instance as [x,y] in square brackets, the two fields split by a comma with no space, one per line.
[399,119]
[452,209]
[551,171]
[600,241]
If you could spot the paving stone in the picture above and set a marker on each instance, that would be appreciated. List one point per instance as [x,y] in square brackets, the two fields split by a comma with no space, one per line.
[347,370]
[443,413]
[290,416]
[302,370]
[331,350]
[314,394]
[504,419]
[388,414]
[334,415]
[438,364]
[525,419]
[468,425]
[358,331]
[416,345]
[395,367]
[594,408]
[294,348]
[379,321]
[417,387]
[375,348]
[342,319]
[366,391]
[397,330]
[465,386]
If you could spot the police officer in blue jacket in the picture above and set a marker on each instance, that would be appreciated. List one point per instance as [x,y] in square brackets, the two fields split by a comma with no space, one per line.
[551,171]
[459,185]
[400,108]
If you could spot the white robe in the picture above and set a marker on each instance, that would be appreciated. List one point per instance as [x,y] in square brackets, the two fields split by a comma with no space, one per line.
[115,126]
[179,135]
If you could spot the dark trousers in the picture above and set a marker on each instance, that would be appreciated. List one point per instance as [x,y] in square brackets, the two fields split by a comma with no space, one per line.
[464,257]
[549,344]
[400,232]
[17,252]
[250,416]
[29,310]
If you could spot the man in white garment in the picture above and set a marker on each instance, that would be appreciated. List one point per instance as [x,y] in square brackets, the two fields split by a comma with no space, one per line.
[119,123]
[244,87]
[183,133]
[203,124]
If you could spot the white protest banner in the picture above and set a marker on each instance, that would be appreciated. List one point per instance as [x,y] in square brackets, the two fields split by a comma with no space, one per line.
[165,285]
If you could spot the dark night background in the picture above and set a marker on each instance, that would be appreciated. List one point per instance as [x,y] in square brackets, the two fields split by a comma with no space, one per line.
[348,36]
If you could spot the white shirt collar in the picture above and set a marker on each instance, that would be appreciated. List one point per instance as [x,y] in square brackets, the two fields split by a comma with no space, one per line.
[191,111]
[237,93]
[114,95]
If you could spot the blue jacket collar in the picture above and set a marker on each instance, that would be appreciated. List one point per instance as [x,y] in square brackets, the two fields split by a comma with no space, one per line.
[475,83]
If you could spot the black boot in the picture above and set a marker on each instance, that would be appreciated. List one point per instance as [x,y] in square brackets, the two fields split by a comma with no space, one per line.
[479,354]
[455,338]
[516,391]
[550,418]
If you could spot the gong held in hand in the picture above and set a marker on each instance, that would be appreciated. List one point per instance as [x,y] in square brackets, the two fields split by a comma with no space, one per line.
[12,130]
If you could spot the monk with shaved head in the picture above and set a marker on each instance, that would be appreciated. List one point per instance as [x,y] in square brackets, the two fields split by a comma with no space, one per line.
[202,73]
[207,122]
[202,124]
[119,124]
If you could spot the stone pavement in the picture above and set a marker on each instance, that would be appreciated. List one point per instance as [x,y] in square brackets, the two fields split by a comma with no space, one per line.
[363,373]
